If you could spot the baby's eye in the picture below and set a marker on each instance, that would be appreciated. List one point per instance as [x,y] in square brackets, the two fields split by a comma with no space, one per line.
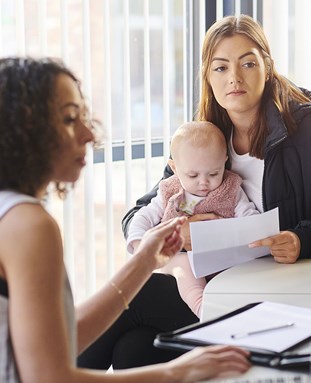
[192,175]
[214,175]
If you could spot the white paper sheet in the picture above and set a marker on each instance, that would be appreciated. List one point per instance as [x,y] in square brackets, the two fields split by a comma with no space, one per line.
[223,243]
[261,316]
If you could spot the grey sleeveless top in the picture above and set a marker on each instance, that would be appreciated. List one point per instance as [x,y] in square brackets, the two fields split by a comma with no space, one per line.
[8,370]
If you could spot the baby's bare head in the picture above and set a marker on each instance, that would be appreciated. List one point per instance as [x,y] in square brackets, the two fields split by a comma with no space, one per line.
[197,134]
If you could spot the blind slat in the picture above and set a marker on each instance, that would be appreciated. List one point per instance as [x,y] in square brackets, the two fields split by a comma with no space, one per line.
[108,144]
[127,106]
[147,95]
[90,256]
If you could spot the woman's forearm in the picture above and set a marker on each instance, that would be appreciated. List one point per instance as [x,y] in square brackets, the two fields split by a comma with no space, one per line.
[96,314]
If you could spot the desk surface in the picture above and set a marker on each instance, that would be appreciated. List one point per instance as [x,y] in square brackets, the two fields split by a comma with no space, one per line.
[255,281]
[259,280]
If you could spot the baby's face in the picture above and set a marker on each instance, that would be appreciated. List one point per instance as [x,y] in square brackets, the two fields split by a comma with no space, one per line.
[200,170]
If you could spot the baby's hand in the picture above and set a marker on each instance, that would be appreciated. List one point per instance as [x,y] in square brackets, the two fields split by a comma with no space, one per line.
[185,229]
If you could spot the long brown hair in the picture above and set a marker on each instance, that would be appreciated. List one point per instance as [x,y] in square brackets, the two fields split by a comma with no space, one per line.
[277,87]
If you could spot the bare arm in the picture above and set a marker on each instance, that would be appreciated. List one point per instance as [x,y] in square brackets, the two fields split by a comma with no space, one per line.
[154,250]
[33,267]
[34,271]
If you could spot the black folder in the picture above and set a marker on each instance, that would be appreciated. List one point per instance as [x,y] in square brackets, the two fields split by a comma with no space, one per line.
[290,359]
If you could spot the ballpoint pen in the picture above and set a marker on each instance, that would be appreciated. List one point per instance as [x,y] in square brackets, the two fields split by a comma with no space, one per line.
[255,332]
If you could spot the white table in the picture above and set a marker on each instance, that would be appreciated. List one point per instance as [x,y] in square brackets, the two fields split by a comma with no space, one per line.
[259,280]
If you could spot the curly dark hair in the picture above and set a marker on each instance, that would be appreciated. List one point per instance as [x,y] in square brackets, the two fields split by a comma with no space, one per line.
[28,138]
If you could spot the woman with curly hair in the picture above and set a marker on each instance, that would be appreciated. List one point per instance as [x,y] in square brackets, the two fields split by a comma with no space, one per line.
[44,132]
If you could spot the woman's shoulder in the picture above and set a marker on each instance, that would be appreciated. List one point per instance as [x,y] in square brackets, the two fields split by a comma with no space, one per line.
[24,217]
[306,92]
[302,112]
[29,209]
[29,240]
[9,199]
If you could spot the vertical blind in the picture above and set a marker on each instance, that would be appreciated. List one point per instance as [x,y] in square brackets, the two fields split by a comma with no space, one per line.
[138,61]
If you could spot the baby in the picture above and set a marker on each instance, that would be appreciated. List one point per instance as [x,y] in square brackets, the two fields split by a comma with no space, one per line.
[200,184]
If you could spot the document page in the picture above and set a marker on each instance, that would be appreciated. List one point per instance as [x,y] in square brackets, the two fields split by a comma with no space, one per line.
[223,243]
[267,326]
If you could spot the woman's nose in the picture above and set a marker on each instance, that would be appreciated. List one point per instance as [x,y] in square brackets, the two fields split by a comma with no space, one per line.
[236,81]
[235,77]
[86,135]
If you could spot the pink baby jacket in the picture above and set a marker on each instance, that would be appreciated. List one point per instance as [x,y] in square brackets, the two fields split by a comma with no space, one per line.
[221,201]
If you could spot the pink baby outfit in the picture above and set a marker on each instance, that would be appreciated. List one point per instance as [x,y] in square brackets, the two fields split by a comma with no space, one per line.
[228,200]
[221,201]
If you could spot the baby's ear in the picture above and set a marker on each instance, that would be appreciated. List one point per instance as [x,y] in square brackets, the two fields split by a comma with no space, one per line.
[171,164]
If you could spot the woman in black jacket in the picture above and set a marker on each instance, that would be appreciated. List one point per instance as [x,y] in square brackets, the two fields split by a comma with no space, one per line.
[267,122]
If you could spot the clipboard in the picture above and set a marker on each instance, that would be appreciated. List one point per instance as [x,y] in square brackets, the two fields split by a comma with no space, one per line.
[291,358]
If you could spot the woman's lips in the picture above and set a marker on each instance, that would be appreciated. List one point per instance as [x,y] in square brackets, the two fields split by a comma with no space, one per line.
[236,93]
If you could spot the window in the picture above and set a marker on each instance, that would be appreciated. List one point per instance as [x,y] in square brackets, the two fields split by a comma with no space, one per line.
[138,61]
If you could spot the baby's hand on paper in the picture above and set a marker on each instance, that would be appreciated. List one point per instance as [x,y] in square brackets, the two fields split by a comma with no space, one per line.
[185,229]
[284,247]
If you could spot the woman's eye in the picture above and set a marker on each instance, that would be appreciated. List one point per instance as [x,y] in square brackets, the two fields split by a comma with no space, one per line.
[219,68]
[69,120]
[249,64]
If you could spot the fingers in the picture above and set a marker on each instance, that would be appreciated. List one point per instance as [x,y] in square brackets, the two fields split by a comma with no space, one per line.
[269,242]
[232,358]
[165,231]
[170,233]
[173,243]
[280,239]
[169,226]
[223,359]
[220,348]
[211,361]
[284,247]
[185,232]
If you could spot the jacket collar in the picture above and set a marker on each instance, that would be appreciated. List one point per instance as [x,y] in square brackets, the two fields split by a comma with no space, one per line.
[277,128]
